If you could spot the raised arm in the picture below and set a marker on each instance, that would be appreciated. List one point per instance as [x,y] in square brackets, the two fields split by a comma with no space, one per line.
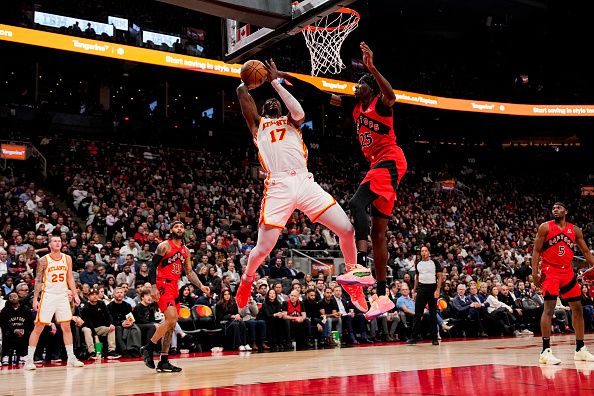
[296,113]
[71,282]
[388,96]
[248,108]
[41,265]
[581,243]
[192,277]
[543,230]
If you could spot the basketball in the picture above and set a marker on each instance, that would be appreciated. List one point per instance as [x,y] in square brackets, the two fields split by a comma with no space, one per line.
[253,73]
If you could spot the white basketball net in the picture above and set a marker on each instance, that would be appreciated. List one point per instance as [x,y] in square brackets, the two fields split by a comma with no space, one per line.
[324,39]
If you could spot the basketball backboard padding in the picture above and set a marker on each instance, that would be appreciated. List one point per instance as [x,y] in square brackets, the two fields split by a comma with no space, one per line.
[266,13]
[303,14]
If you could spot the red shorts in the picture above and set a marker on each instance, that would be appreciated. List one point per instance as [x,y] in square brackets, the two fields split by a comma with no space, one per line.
[559,281]
[383,181]
[168,294]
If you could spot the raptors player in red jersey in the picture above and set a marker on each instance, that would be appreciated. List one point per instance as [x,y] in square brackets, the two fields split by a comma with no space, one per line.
[551,267]
[374,121]
[170,259]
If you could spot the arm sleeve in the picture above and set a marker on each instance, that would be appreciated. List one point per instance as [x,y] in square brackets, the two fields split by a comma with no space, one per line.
[289,100]
[152,270]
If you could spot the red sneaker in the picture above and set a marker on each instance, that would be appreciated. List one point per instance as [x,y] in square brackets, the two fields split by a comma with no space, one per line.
[244,291]
[357,297]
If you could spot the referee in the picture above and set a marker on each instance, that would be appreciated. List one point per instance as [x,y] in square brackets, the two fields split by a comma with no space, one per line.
[428,280]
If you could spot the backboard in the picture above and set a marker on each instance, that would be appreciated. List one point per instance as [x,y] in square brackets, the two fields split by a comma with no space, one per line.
[244,38]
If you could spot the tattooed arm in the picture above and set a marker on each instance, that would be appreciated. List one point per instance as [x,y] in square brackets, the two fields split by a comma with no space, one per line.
[192,277]
[39,282]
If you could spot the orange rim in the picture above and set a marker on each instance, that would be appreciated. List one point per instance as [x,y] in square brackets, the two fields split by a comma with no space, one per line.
[312,28]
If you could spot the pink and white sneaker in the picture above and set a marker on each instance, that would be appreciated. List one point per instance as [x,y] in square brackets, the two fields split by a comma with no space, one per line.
[379,306]
[357,276]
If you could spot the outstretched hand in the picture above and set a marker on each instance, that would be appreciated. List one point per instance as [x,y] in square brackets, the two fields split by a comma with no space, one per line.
[272,70]
[367,55]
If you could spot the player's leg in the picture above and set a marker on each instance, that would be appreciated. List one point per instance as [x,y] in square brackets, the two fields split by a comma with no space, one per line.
[168,325]
[338,222]
[546,356]
[358,204]
[68,344]
[379,243]
[33,341]
[267,238]
[572,294]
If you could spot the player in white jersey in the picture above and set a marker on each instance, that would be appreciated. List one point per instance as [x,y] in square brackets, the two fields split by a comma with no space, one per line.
[53,279]
[289,185]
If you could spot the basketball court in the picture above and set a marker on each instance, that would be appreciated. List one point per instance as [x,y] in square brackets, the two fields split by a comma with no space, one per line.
[496,366]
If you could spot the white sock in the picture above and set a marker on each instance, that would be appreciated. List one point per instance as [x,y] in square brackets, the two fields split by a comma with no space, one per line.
[31,352]
[70,352]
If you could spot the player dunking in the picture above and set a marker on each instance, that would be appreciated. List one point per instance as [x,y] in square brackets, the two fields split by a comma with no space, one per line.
[374,122]
[551,267]
[53,279]
[289,185]
[165,271]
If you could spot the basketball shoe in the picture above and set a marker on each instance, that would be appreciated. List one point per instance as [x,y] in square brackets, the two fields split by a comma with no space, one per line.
[583,355]
[30,365]
[74,363]
[357,276]
[547,357]
[167,367]
[357,297]
[243,292]
[379,305]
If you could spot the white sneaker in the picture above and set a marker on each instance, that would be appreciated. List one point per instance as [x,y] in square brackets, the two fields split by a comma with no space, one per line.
[517,333]
[583,355]
[547,357]
[527,332]
[30,365]
[5,361]
[242,348]
[247,347]
[74,363]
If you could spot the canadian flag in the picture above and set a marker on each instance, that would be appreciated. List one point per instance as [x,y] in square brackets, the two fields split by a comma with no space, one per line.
[243,32]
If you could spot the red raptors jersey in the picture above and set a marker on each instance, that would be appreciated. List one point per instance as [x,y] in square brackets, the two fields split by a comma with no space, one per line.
[376,132]
[172,264]
[557,250]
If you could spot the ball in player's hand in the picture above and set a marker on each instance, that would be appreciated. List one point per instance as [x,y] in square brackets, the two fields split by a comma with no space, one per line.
[253,73]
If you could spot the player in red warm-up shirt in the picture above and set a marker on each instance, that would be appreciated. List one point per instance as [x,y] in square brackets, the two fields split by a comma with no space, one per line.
[552,267]
[170,259]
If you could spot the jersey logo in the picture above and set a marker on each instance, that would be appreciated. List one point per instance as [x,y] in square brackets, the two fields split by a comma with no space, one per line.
[557,239]
[569,231]
[369,123]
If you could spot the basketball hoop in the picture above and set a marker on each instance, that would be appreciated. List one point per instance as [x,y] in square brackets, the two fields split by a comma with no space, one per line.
[324,39]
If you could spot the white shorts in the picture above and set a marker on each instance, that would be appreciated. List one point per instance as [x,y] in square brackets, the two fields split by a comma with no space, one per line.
[51,304]
[295,189]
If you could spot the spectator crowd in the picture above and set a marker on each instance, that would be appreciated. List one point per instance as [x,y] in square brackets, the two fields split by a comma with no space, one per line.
[128,196]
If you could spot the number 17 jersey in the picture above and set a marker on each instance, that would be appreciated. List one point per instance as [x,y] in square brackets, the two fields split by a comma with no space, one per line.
[280,145]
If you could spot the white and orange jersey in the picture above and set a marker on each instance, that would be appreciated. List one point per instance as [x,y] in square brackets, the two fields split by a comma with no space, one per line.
[280,145]
[55,275]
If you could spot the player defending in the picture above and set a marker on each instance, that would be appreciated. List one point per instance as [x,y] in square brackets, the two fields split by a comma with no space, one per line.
[289,184]
[374,123]
[53,279]
[165,270]
[554,244]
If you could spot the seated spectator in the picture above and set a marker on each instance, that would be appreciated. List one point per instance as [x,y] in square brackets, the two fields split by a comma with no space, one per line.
[185,297]
[278,288]
[277,271]
[16,323]
[466,310]
[314,316]
[130,248]
[588,307]
[144,315]
[145,255]
[256,328]
[406,306]
[299,329]
[502,313]
[234,277]
[276,327]
[89,276]
[227,317]
[98,322]
[128,335]
[126,276]
[347,313]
